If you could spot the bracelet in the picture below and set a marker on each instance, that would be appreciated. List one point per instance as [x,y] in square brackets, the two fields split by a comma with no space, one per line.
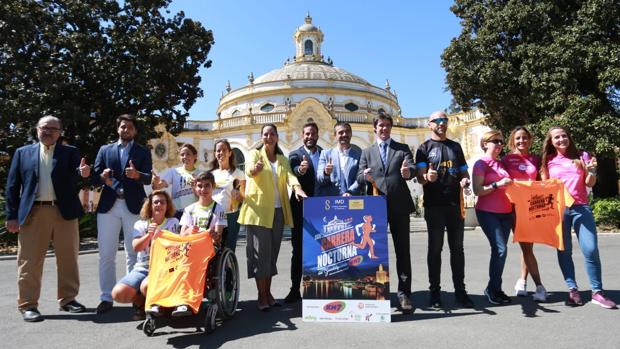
[592,173]
[494,185]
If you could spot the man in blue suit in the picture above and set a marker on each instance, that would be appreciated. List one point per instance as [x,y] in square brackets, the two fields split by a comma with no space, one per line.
[42,204]
[337,173]
[123,168]
[304,162]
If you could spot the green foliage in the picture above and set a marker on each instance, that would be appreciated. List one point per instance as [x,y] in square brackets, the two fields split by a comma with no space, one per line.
[88,61]
[607,211]
[541,63]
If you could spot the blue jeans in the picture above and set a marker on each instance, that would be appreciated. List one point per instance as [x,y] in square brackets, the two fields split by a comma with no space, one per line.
[496,226]
[581,219]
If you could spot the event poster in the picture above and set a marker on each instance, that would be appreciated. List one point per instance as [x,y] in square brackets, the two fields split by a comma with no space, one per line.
[345,259]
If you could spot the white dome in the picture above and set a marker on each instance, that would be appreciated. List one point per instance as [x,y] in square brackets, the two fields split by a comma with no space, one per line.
[309,71]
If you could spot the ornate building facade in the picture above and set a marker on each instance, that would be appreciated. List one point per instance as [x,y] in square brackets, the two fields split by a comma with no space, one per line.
[307,88]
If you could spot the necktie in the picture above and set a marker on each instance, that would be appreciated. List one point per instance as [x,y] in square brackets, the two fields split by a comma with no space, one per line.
[384,153]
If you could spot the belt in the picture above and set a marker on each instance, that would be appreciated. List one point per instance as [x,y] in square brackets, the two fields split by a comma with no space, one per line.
[46,203]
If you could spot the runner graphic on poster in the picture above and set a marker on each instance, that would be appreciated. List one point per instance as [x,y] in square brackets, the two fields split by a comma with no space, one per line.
[345,257]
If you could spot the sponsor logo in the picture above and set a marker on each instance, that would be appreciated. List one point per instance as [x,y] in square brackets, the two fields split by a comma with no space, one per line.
[310,318]
[356,204]
[334,307]
[357,260]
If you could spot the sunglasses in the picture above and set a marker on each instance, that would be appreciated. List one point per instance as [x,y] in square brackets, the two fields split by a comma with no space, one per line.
[440,120]
[496,141]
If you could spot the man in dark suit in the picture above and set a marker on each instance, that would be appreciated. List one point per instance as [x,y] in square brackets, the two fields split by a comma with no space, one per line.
[337,172]
[304,162]
[386,166]
[42,204]
[123,167]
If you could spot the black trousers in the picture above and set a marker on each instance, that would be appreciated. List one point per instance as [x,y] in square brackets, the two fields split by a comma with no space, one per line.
[399,228]
[440,219]
[297,243]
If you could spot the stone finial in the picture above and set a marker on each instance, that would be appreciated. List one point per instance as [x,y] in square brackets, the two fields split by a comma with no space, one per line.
[228,86]
[251,78]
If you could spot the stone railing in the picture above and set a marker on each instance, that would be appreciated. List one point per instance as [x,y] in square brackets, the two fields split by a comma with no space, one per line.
[269,118]
[360,118]
[194,125]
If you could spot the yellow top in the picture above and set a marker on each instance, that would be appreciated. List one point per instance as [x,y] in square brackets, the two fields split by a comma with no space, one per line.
[259,204]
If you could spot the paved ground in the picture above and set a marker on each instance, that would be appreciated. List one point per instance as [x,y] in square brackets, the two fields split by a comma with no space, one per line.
[520,325]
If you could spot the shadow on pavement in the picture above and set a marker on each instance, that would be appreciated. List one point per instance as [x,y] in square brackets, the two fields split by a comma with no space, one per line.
[118,314]
[248,322]
[420,300]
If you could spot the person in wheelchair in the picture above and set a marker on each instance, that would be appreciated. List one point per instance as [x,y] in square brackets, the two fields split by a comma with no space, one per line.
[157,214]
[205,214]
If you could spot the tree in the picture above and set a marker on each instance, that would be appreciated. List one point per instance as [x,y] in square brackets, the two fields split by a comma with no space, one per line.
[543,62]
[87,61]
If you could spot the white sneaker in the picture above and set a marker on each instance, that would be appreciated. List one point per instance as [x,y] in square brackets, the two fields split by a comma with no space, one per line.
[541,294]
[154,310]
[521,288]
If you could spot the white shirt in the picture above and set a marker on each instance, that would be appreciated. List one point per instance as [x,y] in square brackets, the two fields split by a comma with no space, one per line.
[274,166]
[140,228]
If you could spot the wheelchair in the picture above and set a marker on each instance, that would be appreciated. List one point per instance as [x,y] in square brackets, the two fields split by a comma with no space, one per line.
[220,298]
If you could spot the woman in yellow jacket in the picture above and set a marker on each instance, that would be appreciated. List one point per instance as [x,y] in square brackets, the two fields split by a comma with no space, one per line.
[265,210]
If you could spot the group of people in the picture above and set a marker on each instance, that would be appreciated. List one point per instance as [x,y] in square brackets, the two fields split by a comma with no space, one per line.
[42,205]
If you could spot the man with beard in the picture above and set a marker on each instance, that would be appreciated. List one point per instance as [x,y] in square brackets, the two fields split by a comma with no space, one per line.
[304,162]
[42,204]
[387,166]
[123,167]
[337,172]
[442,171]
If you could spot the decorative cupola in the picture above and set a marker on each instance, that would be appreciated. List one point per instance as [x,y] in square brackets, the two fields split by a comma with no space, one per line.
[308,40]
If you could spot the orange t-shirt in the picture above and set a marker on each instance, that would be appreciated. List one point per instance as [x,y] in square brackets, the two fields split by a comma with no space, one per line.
[539,209]
[178,268]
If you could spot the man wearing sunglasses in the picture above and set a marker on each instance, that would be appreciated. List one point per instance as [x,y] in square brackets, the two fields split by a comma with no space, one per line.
[442,171]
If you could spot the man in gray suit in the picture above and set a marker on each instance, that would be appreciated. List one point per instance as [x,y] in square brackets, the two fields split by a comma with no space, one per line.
[386,166]
[337,172]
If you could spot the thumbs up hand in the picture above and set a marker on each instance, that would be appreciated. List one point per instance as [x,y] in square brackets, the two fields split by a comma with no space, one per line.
[84,168]
[258,166]
[404,169]
[157,182]
[329,167]
[131,171]
[591,165]
[431,175]
[303,167]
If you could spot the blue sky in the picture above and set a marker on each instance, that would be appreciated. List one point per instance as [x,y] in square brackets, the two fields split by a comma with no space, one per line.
[397,40]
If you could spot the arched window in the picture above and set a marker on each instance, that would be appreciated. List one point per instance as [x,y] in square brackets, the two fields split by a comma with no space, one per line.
[236,113]
[266,108]
[308,47]
[239,159]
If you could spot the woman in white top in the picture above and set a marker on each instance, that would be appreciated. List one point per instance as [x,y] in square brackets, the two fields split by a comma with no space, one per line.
[229,188]
[180,179]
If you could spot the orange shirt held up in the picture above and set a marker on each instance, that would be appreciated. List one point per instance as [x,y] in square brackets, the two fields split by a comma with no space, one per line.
[539,209]
[178,269]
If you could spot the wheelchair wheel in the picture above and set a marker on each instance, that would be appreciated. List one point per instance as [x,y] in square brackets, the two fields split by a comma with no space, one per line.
[227,284]
[149,326]
[210,318]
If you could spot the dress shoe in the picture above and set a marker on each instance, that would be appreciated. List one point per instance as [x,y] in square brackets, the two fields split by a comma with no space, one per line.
[405,303]
[104,307]
[73,307]
[32,315]
[292,297]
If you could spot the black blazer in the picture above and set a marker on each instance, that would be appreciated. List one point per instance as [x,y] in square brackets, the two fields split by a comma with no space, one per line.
[23,179]
[108,157]
[388,179]
[308,179]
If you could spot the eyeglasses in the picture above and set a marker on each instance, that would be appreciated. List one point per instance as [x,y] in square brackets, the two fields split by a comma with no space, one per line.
[440,120]
[496,141]
[49,129]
